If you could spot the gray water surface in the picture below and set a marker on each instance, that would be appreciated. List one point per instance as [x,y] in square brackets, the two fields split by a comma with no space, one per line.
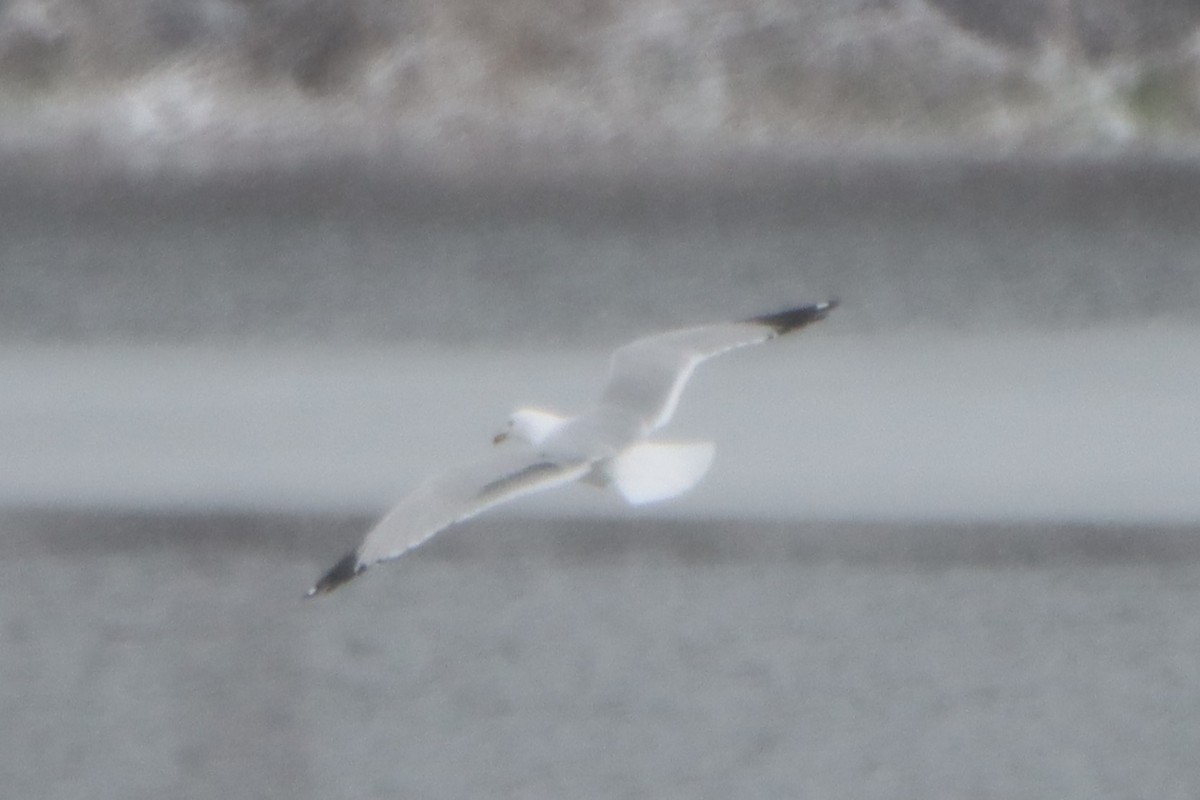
[1014,358]
[366,251]
[167,655]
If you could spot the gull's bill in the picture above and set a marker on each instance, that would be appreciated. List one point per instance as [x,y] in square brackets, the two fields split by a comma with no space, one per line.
[606,446]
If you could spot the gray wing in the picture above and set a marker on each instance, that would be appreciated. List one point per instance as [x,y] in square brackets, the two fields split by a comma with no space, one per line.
[446,499]
[647,376]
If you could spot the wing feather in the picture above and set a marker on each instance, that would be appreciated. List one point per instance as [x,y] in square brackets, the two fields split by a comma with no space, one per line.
[647,376]
[448,498]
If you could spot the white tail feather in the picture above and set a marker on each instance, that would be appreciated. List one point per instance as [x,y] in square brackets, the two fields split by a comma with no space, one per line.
[653,471]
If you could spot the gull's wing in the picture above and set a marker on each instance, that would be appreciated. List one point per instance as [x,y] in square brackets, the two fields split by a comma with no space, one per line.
[448,498]
[647,376]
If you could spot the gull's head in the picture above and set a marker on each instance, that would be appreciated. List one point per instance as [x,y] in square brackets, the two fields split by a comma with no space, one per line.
[530,425]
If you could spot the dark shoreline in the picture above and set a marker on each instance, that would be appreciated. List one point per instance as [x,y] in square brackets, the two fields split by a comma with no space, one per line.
[1085,190]
[566,541]
[358,249]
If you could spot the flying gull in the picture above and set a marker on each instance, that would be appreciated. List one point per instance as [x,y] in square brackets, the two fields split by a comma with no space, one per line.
[605,447]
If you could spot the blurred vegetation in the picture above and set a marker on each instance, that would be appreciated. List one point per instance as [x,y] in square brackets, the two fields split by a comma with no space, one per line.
[1039,73]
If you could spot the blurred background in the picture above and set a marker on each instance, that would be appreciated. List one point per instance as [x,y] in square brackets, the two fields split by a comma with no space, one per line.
[267,264]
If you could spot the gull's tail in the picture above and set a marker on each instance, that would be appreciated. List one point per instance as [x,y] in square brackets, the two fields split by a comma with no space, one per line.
[653,471]
[341,572]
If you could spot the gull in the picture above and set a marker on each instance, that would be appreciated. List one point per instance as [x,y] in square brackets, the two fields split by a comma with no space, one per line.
[606,446]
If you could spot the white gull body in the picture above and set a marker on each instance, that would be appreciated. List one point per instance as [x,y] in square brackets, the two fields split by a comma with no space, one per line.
[604,446]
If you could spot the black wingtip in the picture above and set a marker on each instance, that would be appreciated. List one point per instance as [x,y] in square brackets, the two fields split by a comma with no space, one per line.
[342,572]
[787,321]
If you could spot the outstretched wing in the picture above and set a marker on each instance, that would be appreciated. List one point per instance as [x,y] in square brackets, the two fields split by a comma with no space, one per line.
[448,498]
[647,376]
